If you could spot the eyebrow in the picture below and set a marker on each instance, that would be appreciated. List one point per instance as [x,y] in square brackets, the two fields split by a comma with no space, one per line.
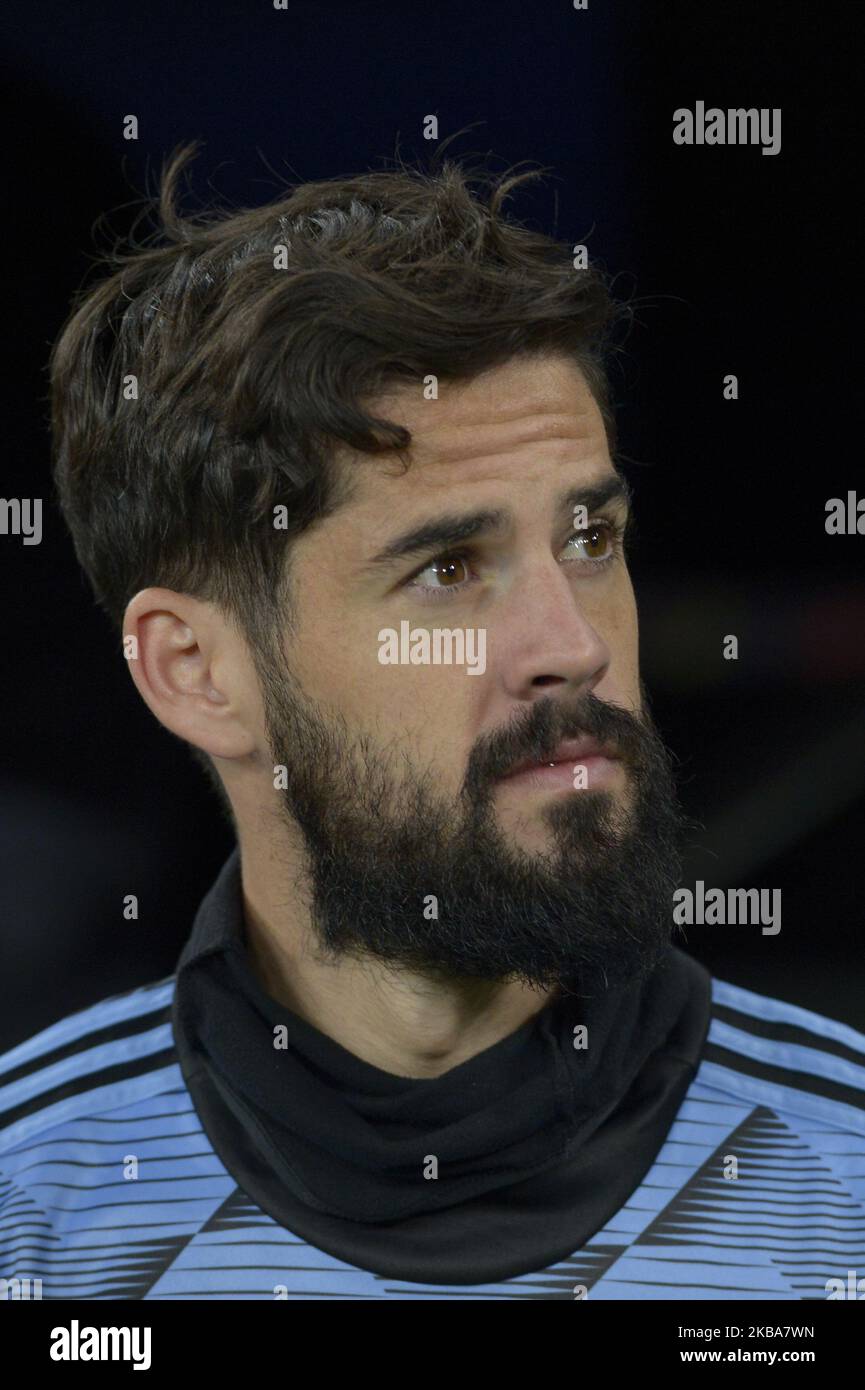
[452,528]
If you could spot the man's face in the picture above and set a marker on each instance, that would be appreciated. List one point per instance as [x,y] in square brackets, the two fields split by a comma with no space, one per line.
[421,849]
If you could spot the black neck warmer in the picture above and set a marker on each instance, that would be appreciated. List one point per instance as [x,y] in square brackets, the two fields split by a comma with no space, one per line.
[536,1143]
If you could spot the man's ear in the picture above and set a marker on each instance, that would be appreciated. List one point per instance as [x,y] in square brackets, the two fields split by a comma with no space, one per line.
[192,670]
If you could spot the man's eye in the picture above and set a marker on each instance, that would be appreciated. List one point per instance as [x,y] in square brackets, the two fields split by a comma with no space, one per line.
[448,574]
[597,543]
[443,573]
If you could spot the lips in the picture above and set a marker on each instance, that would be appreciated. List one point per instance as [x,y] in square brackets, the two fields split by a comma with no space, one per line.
[570,751]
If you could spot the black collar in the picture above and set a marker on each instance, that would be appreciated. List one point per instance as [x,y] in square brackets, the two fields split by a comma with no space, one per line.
[503,1165]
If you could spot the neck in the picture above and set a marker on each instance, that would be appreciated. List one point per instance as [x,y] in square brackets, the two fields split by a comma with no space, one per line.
[400,1021]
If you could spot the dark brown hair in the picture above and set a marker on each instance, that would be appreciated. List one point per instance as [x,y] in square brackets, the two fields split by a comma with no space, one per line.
[250,376]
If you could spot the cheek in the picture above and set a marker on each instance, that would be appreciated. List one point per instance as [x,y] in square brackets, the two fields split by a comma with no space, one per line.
[626,627]
[336,662]
[338,665]
[427,706]
[630,652]
[620,630]
[426,714]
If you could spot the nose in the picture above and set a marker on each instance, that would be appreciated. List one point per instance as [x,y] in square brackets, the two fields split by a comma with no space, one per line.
[549,640]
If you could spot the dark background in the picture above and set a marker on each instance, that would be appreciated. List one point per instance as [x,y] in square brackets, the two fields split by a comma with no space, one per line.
[745,263]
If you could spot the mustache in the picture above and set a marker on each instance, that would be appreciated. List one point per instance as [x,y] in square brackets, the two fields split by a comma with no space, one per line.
[537,732]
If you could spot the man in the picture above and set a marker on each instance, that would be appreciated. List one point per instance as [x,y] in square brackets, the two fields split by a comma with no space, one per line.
[341,468]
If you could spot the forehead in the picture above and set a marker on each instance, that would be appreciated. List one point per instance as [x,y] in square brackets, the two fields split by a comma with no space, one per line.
[512,424]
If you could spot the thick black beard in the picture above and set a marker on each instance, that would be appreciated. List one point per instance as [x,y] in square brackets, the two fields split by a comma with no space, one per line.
[592,914]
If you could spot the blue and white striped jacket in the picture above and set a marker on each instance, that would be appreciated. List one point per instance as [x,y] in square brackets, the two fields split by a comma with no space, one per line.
[782,1087]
